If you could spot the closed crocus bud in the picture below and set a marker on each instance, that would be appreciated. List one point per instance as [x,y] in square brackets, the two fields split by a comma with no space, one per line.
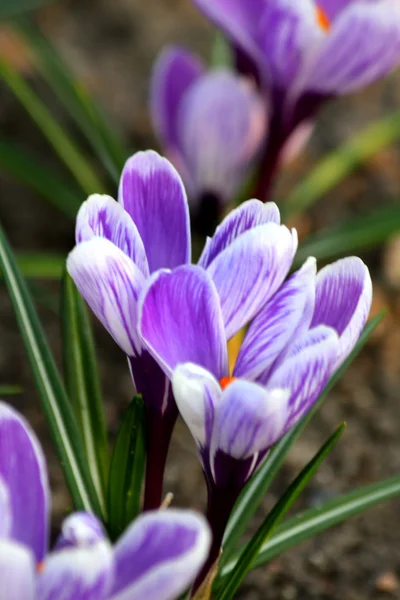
[211,124]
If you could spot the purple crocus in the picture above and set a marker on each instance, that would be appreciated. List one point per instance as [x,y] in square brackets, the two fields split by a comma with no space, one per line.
[306,327]
[157,557]
[305,51]
[121,245]
[211,125]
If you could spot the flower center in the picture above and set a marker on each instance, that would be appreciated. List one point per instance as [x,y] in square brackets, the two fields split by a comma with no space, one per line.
[225,381]
[322,18]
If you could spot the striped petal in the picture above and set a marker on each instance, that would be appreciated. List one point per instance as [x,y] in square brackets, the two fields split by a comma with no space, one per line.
[17,572]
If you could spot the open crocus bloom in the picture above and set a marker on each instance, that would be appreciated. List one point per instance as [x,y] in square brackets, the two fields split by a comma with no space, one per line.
[304,51]
[211,124]
[157,557]
[121,245]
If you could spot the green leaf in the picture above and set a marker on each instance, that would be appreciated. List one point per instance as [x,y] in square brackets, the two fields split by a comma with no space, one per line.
[332,169]
[127,470]
[40,265]
[318,519]
[364,232]
[10,8]
[250,552]
[26,169]
[257,487]
[69,153]
[82,383]
[221,52]
[49,385]
[76,99]
[10,390]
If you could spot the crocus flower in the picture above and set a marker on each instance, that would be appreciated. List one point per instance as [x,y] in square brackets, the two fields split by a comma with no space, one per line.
[211,125]
[121,245]
[157,557]
[304,51]
[307,326]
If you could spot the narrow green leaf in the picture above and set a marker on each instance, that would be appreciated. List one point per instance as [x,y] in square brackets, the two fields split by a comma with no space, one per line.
[332,169]
[127,470]
[69,153]
[51,391]
[82,383]
[26,169]
[40,265]
[315,520]
[258,485]
[221,52]
[10,390]
[75,98]
[359,233]
[10,8]
[251,550]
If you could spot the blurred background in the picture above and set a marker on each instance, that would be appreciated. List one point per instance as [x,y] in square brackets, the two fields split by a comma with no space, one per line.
[109,49]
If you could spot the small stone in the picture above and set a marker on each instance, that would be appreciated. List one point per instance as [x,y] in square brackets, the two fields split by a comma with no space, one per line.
[387,582]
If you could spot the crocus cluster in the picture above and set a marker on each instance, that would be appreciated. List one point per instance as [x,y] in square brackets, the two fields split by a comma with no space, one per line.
[177,321]
[157,557]
[300,53]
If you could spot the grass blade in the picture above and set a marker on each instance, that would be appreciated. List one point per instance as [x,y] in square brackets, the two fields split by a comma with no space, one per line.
[10,390]
[82,383]
[364,232]
[24,167]
[51,391]
[10,8]
[332,169]
[127,470]
[40,265]
[252,549]
[80,106]
[83,172]
[258,485]
[318,519]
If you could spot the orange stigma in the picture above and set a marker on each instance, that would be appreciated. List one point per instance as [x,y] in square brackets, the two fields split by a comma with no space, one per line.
[40,567]
[322,18]
[225,381]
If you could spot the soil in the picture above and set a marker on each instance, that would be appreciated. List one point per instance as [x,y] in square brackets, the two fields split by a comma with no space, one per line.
[111,47]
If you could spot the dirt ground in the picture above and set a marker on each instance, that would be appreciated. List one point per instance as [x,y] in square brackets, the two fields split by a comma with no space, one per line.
[111,46]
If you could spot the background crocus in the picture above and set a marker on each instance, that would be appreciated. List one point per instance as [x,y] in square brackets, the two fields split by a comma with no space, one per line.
[158,556]
[211,125]
[306,327]
[303,52]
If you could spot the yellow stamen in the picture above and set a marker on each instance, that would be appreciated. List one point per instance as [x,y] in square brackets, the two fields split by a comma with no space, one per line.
[322,18]
[225,381]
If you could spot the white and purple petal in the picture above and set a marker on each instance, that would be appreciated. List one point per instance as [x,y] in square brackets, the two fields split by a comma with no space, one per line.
[343,301]
[152,192]
[282,319]
[24,473]
[197,393]
[5,511]
[80,529]
[17,572]
[102,216]
[181,321]
[246,216]
[306,370]
[249,271]
[159,555]
[111,283]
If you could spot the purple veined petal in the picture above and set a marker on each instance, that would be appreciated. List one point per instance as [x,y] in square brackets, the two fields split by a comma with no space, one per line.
[238,19]
[181,321]
[222,123]
[362,46]
[333,8]
[23,470]
[152,192]
[288,31]
[278,322]
[343,301]
[174,72]
[5,511]
[111,283]
[159,555]
[196,392]
[80,529]
[306,370]
[249,271]
[81,573]
[17,572]
[246,216]
[249,419]
[102,216]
